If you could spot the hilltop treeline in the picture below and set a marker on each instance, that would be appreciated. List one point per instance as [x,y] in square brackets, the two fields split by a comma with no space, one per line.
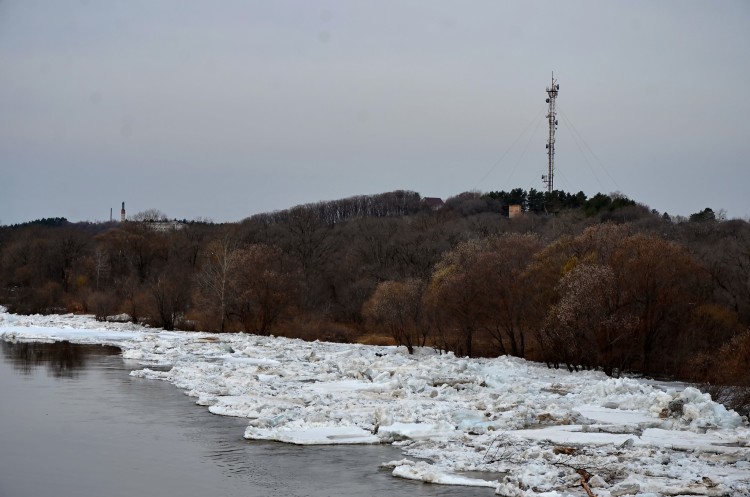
[578,282]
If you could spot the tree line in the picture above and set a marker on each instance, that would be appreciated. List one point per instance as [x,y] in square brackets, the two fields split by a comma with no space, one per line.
[577,282]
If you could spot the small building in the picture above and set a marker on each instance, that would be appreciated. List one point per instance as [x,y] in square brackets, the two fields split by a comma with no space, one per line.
[433,203]
[164,226]
[514,211]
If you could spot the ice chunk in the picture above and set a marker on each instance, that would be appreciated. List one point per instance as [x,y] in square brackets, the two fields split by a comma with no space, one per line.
[461,414]
[415,431]
[318,435]
[429,473]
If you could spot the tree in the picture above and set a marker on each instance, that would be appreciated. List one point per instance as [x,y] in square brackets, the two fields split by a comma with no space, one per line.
[170,296]
[502,268]
[397,307]
[215,279]
[265,285]
[655,286]
[706,214]
[587,327]
[308,240]
[102,304]
[725,372]
[454,296]
[136,250]
[724,250]
[100,262]
[598,243]
[149,215]
[660,284]
[135,298]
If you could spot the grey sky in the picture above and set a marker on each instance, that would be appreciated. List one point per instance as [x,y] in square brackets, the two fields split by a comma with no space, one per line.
[226,109]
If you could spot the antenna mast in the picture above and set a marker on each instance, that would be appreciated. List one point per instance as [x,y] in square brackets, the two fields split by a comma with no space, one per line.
[549,178]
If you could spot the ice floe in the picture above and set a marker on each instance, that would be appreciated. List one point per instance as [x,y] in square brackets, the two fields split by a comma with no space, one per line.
[537,429]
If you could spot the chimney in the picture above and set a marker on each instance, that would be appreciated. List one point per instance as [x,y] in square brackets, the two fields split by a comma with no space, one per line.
[122,213]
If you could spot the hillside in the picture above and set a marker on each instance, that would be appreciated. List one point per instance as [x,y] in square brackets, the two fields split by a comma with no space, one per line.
[599,283]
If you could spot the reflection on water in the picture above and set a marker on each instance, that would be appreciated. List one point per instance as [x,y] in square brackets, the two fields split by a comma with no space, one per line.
[62,359]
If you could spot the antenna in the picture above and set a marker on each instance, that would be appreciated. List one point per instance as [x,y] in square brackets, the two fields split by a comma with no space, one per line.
[549,178]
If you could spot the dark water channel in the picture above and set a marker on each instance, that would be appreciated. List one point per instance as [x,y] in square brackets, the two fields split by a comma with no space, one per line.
[73,423]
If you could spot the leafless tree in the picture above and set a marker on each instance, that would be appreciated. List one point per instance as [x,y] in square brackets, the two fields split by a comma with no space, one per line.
[266,286]
[149,215]
[397,307]
[215,281]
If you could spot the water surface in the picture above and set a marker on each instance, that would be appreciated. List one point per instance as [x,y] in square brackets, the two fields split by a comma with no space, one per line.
[73,423]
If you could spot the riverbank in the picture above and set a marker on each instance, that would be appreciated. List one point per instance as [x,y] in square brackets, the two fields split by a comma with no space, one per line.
[534,427]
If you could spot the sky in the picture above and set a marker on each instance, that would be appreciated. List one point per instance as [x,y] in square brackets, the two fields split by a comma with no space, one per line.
[221,110]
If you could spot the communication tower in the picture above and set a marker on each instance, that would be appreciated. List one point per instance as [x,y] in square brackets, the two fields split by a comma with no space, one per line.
[552,91]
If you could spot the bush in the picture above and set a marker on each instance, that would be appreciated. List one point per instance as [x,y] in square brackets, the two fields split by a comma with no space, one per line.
[101,304]
[725,374]
[733,397]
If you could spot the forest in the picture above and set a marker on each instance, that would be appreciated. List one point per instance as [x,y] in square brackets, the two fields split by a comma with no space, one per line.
[576,282]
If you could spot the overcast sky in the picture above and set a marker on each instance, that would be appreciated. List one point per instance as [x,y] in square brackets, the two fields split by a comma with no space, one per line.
[225,109]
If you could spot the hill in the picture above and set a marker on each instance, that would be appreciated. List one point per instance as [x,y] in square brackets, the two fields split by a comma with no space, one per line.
[577,282]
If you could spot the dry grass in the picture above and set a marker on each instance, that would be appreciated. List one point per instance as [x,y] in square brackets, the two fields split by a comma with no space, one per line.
[373,339]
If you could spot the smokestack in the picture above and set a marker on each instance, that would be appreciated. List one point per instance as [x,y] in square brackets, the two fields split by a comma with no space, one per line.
[122,213]
[110,214]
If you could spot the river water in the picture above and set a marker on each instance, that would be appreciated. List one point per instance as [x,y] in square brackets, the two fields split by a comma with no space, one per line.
[73,423]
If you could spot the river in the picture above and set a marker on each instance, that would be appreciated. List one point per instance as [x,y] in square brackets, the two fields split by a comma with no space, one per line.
[73,423]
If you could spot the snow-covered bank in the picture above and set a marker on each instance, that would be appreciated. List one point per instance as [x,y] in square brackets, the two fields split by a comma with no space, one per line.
[533,426]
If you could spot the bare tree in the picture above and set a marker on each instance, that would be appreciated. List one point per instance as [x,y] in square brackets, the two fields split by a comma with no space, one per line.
[455,295]
[266,286]
[502,265]
[588,327]
[170,294]
[149,215]
[397,306]
[215,277]
[101,265]
[661,284]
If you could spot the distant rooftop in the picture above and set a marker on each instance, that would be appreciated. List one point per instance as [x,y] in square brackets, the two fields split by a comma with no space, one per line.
[433,202]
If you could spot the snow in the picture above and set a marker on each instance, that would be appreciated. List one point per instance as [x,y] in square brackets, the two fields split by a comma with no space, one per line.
[531,426]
